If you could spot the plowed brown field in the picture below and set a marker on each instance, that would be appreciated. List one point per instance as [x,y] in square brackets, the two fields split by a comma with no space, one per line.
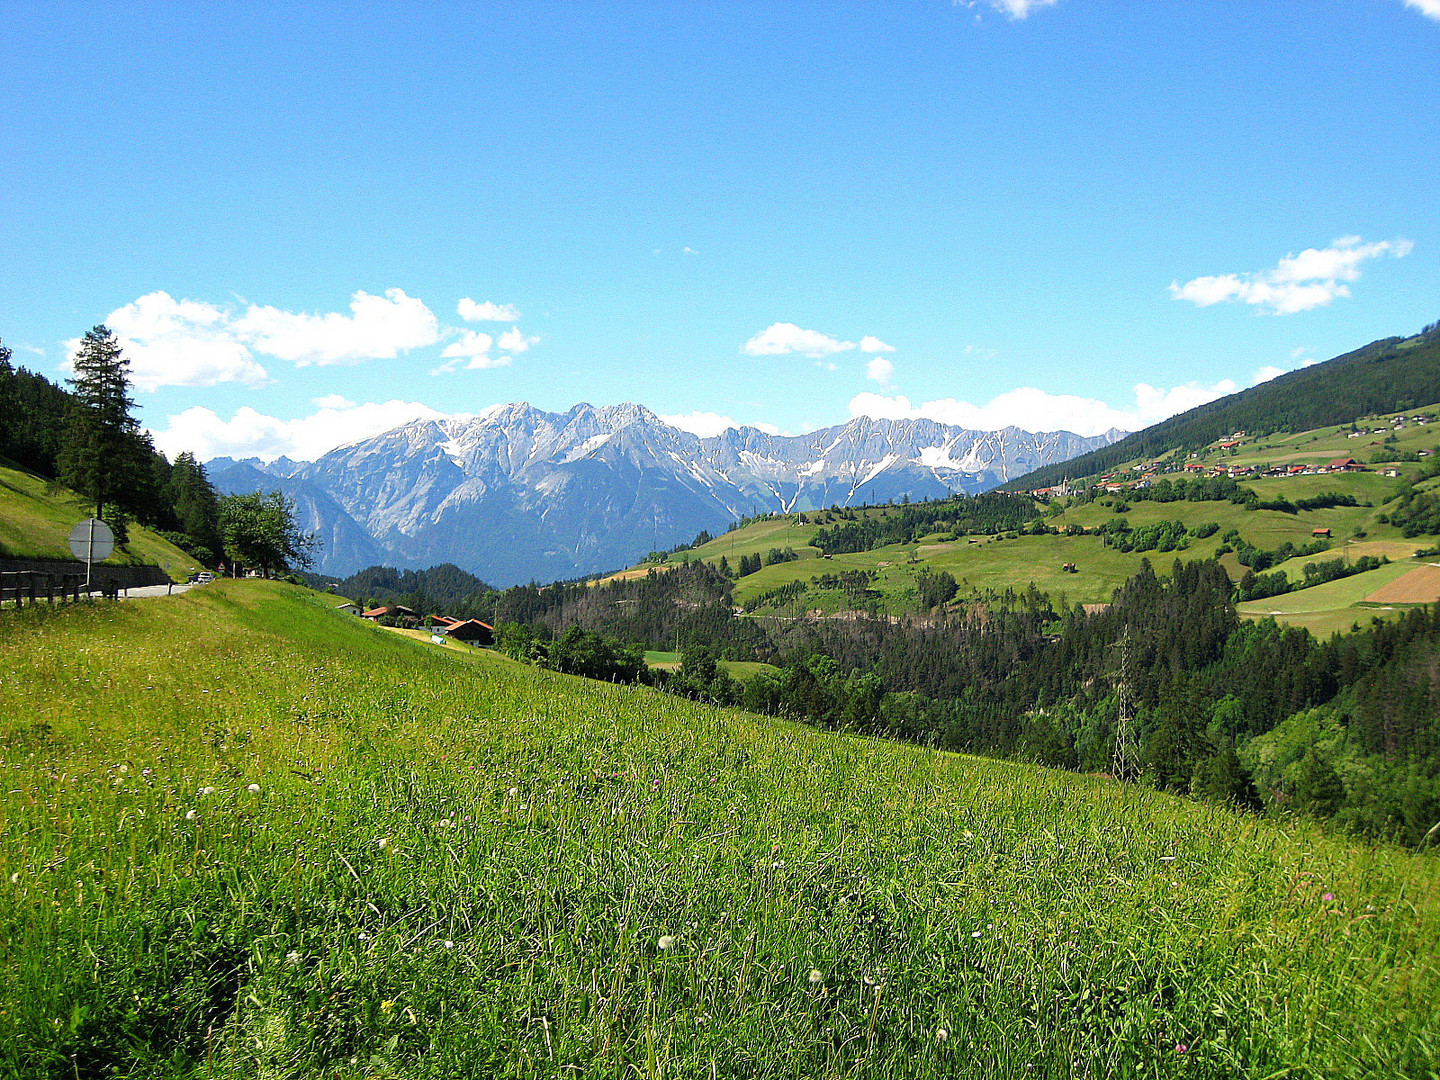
[1419,586]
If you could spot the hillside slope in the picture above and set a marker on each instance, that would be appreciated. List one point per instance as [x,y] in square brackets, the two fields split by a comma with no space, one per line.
[36,518]
[349,853]
[1390,375]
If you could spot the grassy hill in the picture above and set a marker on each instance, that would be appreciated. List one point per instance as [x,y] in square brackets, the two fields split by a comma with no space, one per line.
[1391,375]
[291,844]
[36,518]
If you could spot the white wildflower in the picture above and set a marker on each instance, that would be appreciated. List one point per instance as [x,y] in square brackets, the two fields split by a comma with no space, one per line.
[189,815]
[941,1034]
[254,789]
[816,976]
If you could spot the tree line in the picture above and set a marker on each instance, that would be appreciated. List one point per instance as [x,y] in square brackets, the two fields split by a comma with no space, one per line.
[87,439]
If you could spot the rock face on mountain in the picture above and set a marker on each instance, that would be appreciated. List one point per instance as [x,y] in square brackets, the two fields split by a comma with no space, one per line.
[517,494]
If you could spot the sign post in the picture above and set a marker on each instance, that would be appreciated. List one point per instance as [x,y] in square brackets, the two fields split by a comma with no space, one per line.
[92,541]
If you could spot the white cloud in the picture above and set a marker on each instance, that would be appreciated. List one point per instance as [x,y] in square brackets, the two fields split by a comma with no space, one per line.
[486,311]
[1429,8]
[471,343]
[1266,373]
[249,433]
[470,353]
[879,369]
[1297,283]
[173,342]
[1015,9]
[513,340]
[1036,410]
[709,424]
[1020,9]
[334,401]
[781,338]
[871,344]
[379,327]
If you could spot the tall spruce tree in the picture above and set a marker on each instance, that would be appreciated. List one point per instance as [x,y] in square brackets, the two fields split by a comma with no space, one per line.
[196,503]
[104,454]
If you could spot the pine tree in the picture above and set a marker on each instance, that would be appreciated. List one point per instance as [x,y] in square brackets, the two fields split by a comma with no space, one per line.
[196,503]
[103,455]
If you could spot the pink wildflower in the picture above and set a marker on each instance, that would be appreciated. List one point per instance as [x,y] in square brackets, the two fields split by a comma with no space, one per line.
[1328,897]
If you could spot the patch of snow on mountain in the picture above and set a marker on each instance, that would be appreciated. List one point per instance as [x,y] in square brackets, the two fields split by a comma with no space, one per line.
[937,457]
[454,452]
[879,467]
[589,446]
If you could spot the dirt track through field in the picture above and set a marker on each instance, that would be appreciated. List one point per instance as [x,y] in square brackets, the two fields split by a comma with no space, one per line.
[1419,586]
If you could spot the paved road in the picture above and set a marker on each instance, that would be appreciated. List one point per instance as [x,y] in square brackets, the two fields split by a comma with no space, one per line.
[153,590]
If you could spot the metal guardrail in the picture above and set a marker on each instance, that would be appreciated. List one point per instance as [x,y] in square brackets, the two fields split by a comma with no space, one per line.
[31,586]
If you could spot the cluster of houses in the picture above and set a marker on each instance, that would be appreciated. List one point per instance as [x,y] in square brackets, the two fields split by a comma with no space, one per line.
[470,631]
[1396,423]
[1114,484]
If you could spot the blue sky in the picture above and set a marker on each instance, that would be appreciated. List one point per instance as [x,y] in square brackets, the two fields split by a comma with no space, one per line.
[310,224]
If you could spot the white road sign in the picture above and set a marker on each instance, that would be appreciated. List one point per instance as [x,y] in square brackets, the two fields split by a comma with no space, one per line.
[92,541]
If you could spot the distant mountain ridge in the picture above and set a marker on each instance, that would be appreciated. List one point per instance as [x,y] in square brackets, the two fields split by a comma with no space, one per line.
[1389,375]
[519,494]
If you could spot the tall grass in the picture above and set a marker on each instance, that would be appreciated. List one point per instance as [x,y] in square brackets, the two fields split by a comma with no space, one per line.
[244,836]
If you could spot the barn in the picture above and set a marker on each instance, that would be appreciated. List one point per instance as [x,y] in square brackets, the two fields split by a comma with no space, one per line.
[472,631]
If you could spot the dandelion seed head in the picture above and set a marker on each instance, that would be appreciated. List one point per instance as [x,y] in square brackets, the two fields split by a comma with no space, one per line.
[189,815]
[816,976]
[207,790]
[666,943]
[254,789]
[941,1035]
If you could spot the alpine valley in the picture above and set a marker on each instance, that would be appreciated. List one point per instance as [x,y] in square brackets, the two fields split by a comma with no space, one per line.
[516,494]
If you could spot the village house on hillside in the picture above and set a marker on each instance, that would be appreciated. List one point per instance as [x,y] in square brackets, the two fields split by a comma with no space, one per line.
[394,611]
[471,631]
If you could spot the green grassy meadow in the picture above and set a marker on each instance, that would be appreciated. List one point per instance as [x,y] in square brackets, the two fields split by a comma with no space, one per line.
[36,519]
[245,835]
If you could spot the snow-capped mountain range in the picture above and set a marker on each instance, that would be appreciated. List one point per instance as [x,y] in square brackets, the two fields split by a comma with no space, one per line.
[517,494]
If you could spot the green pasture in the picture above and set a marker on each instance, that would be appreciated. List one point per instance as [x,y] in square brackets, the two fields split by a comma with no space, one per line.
[1323,445]
[246,836]
[1333,606]
[744,670]
[759,537]
[36,519]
